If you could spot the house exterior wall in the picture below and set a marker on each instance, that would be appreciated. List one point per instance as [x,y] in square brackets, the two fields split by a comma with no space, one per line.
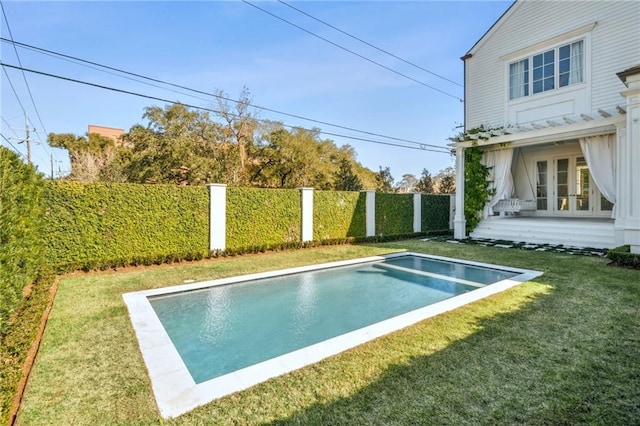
[610,31]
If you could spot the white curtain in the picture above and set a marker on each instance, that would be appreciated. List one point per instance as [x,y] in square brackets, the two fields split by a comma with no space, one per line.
[516,79]
[600,154]
[575,63]
[499,163]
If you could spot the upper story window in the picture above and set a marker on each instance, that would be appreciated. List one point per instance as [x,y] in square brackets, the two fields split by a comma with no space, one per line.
[558,67]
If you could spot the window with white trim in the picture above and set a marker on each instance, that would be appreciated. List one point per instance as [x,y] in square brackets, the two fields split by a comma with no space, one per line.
[549,70]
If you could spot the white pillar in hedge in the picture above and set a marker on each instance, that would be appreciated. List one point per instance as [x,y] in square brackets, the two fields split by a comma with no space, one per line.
[459,222]
[452,209]
[217,216]
[417,212]
[307,214]
[371,213]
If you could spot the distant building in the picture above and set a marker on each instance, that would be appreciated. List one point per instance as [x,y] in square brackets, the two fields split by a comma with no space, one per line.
[107,132]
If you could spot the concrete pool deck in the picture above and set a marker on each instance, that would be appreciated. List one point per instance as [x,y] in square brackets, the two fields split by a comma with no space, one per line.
[177,393]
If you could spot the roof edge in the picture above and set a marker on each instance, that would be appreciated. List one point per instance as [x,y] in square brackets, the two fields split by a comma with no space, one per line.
[493,27]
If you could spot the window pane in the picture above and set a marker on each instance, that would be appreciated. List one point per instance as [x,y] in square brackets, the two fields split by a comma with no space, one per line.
[564,52]
[548,70]
[548,83]
[537,86]
[605,205]
[564,66]
[548,57]
[537,73]
[537,61]
[519,79]
[564,80]
[541,185]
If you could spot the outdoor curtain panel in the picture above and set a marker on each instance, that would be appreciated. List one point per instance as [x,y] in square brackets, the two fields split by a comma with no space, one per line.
[600,154]
[499,164]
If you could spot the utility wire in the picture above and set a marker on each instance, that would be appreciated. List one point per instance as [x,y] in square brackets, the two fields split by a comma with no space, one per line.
[23,74]
[423,147]
[12,145]
[369,44]
[68,57]
[352,52]
[24,111]
[10,128]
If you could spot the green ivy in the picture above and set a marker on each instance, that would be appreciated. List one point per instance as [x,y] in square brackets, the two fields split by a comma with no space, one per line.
[394,214]
[338,215]
[99,225]
[262,218]
[435,212]
[21,214]
[476,187]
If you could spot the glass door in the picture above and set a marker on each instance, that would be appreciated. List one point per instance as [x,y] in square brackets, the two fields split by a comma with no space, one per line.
[574,191]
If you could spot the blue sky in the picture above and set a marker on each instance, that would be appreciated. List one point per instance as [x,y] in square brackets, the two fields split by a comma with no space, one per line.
[209,45]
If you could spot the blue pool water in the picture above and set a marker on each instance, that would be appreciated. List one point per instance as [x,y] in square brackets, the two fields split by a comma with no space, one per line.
[221,329]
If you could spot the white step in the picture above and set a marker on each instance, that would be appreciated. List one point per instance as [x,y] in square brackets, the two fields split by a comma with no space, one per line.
[596,233]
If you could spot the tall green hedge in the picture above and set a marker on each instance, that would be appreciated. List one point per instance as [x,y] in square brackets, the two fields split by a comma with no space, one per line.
[435,212]
[394,214]
[21,214]
[100,225]
[258,219]
[338,215]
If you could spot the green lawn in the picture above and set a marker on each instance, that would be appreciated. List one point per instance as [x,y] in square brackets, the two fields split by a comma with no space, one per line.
[562,349]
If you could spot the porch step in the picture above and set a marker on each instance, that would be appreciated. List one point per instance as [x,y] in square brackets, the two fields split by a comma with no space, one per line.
[596,233]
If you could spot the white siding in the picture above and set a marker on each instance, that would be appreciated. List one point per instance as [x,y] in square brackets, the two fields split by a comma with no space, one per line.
[614,46]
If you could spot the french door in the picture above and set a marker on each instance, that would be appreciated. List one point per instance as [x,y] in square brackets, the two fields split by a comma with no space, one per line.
[575,193]
[572,187]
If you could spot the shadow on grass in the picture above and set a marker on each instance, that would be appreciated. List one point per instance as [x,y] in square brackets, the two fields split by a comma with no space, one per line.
[541,363]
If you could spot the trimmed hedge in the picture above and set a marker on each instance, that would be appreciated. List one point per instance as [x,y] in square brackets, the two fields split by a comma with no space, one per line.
[99,225]
[93,226]
[435,212]
[260,219]
[21,214]
[338,215]
[394,214]
[622,256]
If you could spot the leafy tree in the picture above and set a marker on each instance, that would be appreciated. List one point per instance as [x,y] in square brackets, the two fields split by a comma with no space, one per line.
[177,146]
[384,180]
[290,159]
[446,181]
[239,128]
[407,183]
[425,183]
[346,179]
[89,155]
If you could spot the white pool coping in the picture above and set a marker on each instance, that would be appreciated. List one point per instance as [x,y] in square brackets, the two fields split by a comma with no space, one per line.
[175,390]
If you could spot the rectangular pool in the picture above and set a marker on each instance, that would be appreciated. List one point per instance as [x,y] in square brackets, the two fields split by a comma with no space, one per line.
[205,340]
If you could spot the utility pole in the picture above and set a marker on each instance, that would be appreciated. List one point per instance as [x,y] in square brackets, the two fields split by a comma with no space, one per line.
[51,157]
[27,141]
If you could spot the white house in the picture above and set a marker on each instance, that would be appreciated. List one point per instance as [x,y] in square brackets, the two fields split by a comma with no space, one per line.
[556,87]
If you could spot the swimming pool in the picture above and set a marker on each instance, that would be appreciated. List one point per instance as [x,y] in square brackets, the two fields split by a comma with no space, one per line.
[205,340]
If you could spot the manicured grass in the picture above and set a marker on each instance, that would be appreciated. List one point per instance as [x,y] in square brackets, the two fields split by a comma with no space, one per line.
[563,349]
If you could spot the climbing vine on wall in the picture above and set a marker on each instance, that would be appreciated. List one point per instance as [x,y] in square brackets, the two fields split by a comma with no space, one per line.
[476,190]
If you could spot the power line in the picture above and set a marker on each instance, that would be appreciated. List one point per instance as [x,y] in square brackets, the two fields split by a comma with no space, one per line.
[423,147]
[352,52]
[369,44]
[23,74]
[69,57]
[9,127]
[11,145]
[14,91]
